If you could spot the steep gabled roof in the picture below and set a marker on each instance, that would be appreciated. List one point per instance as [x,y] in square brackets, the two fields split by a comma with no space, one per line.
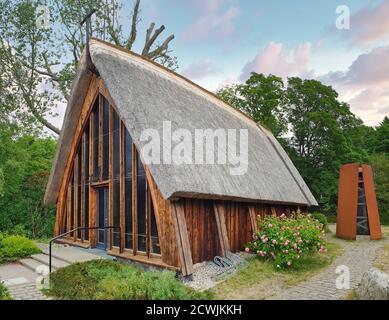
[146,95]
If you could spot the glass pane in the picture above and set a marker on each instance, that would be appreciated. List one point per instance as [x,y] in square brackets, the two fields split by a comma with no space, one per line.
[116,177]
[79,224]
[95,115]
[128,188]
[155,247]
[71,204]
[86,179]
[141,205]
[100,219]
[105,138]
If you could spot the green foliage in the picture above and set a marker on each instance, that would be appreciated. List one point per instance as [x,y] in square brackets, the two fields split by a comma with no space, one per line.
[319,143]
[1,183]
[321,218]
[318,132]
[382,137]
[261,98]
[14,247]
[380,165]
[4,295]
[38,62]
[109,280]
[25,162]
[285,240]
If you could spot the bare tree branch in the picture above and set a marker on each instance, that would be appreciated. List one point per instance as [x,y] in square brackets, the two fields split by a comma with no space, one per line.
[132,37]
[150,41]
[161,49]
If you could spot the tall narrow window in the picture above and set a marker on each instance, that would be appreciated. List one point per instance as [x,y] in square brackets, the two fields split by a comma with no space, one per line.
[116,177]
[79,213]
[154,247]
[141,204]
[96,123]
[71,211]
[93,168]
[86,179]
[128,189]
[105,138]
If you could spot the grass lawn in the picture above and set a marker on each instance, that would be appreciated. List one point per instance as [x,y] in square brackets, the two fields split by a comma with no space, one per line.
[110,280]
[260,279]
[14,247]
[4,293]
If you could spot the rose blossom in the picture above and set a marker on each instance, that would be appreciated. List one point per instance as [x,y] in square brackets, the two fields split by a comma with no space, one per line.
[247,250]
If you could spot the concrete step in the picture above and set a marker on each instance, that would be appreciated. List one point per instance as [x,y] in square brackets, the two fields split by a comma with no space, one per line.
[69,254]
[55,253]
[44,259]
[31,264]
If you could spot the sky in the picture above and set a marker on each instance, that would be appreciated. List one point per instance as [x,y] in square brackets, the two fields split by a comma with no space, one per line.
[220,42]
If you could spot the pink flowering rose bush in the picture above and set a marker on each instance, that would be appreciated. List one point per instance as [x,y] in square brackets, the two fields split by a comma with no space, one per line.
[285,240]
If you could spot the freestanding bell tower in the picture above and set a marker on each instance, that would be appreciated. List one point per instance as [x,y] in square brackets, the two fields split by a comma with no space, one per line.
[357,204]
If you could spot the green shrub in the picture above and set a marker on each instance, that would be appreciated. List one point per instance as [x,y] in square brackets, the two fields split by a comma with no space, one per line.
[285,240]
[14,247]
[321,217]
[4,295]
[18,230]
[110,280]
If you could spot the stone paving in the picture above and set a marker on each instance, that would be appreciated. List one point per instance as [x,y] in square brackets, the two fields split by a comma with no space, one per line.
[358,256]
[20,278]
[27,291]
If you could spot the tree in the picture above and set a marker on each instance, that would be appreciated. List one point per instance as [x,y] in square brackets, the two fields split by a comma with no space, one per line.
[25,162]
[260,97]
[319,143]
[380,165]
[38,69]
[382,137]
[319,132]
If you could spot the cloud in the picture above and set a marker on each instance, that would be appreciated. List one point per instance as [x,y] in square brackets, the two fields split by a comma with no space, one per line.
[200,70]
[365,85]
[209,5]
[275,59]
[370,24]
[212,21]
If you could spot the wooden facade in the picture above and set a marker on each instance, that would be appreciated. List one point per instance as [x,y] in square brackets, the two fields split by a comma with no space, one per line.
[106,186]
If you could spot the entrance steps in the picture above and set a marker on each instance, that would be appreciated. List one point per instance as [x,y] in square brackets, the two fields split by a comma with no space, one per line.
[62,256]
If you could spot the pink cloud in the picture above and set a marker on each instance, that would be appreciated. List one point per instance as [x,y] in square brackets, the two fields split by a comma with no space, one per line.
[365,85]
[209,5]
[212,20]
[370,24]
[277,60]
[200,70]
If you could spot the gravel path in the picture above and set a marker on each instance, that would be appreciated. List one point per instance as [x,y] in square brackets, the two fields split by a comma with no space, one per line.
[358,256]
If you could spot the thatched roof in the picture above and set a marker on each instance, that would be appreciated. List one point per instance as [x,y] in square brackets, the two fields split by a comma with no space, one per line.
[145,95]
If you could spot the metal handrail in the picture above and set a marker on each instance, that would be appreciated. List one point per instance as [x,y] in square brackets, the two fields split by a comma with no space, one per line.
[75,230]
